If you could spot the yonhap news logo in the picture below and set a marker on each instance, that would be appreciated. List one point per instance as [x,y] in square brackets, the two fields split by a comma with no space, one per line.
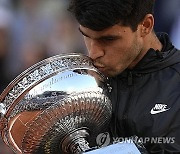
[144,140]
[104,139]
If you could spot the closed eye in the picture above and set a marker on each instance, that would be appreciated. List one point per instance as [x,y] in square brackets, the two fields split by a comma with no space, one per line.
[107,39]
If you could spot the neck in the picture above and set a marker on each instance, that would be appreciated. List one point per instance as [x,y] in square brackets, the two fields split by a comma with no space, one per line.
[155,43]
[151,41]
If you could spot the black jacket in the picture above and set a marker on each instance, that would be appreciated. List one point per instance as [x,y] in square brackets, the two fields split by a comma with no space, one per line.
[146,100]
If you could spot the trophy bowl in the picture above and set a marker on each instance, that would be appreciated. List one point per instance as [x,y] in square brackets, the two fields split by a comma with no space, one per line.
[58,105]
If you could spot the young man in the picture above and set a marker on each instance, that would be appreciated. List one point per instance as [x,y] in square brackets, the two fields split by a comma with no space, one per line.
[143,68]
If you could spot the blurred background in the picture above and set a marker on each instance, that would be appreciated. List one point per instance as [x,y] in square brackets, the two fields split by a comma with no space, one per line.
[32,30]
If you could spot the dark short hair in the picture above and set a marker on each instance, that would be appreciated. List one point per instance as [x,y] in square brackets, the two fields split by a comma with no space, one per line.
[100,14]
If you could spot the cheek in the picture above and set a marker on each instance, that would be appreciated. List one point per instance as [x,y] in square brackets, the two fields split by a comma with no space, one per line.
[118,52]
[122,55]
[136,47]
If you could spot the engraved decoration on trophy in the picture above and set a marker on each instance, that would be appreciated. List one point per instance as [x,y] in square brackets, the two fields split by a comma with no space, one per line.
[58,105]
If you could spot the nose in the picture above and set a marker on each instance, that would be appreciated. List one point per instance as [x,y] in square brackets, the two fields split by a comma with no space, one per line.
[95,50]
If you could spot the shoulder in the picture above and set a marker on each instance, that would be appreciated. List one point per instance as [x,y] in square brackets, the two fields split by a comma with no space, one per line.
[176,58]
[176,68]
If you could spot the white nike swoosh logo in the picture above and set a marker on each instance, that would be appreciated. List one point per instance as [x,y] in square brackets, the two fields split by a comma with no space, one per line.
[158,111]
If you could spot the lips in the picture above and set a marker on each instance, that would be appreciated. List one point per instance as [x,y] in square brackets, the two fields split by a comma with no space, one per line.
[99,66]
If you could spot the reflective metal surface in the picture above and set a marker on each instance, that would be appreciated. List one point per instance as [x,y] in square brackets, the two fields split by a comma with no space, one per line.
[58,105]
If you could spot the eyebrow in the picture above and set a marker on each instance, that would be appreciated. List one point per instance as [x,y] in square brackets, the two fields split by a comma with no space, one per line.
[101,37]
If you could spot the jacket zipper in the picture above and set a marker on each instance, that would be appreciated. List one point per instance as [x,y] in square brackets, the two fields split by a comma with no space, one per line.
[130,78]
[127,108]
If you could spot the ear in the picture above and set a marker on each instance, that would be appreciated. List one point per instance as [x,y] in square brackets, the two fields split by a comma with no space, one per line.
[147,25]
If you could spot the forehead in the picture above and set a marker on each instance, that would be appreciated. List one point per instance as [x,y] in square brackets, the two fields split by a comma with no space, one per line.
[116,30]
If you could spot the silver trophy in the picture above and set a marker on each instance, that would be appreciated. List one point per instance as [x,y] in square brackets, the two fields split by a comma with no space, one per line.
[58,105]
